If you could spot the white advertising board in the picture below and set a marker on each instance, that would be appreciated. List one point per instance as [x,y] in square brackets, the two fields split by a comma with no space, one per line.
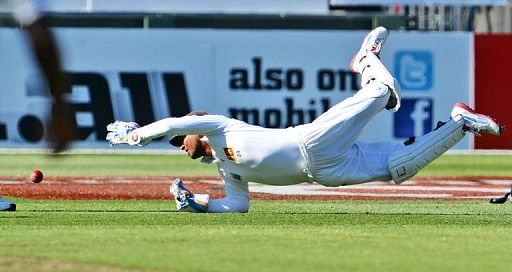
[273,78]
[179,6]
[420,2]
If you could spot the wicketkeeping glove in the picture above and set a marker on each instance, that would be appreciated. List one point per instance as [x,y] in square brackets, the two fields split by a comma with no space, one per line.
[186,200]
[124,133]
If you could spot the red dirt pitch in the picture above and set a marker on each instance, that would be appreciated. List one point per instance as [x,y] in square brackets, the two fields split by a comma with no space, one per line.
[458,188]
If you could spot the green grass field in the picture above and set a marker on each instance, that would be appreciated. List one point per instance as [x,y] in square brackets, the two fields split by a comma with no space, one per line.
[180,165]
[273,236]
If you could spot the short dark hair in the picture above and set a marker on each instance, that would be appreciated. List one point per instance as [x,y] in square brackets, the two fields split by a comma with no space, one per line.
[177,140]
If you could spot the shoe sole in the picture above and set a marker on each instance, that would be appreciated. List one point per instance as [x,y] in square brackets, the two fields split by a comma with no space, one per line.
[177,187]
[365,41]
[470,110]
[357,54]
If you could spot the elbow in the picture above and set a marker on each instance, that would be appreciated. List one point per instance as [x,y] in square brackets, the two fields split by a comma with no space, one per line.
[229,205]
[238,207]
[241,206]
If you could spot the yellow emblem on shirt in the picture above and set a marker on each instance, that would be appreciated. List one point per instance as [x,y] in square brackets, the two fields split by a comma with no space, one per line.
[230,154]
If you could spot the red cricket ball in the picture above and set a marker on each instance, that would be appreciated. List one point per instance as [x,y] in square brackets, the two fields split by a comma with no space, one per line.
[36,176]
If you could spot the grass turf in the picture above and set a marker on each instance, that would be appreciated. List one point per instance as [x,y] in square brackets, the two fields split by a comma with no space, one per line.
[103,165]
[274,236]
[180,165]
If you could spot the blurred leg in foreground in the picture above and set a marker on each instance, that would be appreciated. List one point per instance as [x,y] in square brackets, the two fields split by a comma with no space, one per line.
[59,124]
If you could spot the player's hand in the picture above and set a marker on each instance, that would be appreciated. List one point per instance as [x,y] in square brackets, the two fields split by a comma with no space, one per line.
[186,200]
[123,133]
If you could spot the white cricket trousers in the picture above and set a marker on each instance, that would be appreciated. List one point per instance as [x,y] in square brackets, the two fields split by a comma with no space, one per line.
[334,156]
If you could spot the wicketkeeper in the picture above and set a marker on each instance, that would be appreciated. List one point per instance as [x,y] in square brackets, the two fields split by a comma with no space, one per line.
[324,151]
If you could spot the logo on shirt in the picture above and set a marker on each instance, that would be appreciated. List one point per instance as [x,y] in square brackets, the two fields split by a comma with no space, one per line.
[414,70]
[414,117]
[230,153]
[235,176]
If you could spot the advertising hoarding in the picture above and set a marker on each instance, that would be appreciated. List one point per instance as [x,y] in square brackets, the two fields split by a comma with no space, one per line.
[275,78]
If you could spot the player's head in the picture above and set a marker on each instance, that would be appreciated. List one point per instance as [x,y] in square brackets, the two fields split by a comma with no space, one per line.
[194,146]
[191,144]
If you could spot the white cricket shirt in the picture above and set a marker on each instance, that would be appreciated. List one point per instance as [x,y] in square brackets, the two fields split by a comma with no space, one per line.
[241,151]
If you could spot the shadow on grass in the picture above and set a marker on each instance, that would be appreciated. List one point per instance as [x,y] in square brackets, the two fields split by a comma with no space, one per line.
[103,211]
[382,213]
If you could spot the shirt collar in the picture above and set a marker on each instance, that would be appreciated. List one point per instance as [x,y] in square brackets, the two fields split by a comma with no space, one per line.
[208,159]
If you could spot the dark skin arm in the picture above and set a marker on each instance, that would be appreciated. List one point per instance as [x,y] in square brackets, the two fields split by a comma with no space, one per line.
[46,53]
[61,128]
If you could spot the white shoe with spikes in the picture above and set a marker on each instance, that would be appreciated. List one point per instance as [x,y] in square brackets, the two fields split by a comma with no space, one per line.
[475,122]
[372,43]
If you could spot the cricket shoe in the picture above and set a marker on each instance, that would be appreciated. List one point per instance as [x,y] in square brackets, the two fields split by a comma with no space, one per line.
[372,43]
[186,200]
[476,122]
[180,194]
[6,205]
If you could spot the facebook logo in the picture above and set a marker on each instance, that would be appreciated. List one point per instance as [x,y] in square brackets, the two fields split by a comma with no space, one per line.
[414,70]
[414,118]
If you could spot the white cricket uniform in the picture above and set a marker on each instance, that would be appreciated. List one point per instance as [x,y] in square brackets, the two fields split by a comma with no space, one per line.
[324,151]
